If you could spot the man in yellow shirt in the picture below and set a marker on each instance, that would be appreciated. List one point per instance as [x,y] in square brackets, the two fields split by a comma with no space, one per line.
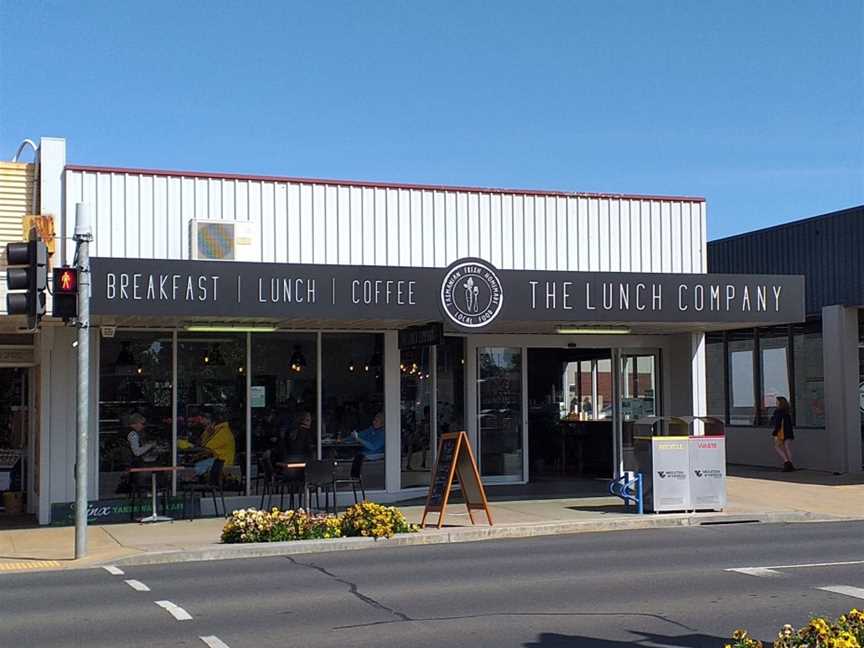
[219,442]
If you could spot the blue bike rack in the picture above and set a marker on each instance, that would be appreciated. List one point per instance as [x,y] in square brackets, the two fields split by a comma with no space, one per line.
[629,489]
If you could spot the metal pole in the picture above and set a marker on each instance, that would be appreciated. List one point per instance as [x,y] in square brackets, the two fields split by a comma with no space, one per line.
[82,240]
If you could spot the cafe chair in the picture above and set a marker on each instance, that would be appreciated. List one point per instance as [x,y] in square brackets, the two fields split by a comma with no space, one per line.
[212,485]
[320,477]
[291,483]
[354,479]
[272,483]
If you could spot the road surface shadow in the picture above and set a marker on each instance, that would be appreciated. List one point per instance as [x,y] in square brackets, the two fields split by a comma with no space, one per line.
[646,639]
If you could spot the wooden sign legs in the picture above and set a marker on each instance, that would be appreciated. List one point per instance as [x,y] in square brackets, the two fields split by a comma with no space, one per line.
[455,458]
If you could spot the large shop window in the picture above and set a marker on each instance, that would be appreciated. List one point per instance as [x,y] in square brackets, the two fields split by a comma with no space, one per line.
[418,384]
[789,364]
[809,405]
[283,401]
[451,385]
[352,402]
[715,375]
[774,351]
[742,387]
[211,405]
[416,414]
[135,395]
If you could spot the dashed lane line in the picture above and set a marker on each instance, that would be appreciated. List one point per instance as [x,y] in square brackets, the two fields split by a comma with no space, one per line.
[174,610]
[848,590]
[114,571]
[137,585]
[841,563]
[214,642]
[757,571]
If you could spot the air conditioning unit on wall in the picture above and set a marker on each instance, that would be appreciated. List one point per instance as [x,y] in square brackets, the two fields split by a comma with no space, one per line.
[222,240]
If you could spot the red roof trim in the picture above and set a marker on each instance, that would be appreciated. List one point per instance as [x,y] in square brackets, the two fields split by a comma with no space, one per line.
[375,185]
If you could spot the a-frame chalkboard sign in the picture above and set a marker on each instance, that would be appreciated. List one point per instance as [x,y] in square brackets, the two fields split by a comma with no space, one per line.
[455,459]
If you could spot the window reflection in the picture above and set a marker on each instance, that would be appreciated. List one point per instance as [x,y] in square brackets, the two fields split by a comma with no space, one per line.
[451,385]
[742,389]
[416,413]
[134,409]
[283,400]
[773,344]
[809,402]
[352,401]
[211,405]
[500,411]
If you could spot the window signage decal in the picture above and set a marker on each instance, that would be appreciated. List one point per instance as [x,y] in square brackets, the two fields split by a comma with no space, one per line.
[471,294]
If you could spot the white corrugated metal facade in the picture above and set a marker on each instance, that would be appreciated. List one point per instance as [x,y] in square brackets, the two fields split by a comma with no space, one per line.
[146,214]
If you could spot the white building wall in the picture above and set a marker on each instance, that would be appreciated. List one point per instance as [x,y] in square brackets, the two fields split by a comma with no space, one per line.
[146,214]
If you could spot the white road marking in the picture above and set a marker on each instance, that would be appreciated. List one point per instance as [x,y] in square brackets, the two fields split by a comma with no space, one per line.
[137,585]
[757,571]
[214,642]
[848,590]
[175,610]
[804,565]
[114,571]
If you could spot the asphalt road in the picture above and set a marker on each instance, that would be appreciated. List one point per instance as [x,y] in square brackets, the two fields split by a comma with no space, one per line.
[664,587]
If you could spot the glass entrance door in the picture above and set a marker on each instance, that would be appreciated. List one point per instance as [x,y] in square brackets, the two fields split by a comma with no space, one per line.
[499,412]
[640,380]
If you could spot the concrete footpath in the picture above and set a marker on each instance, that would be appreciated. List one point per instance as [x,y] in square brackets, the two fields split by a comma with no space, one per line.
[754,496]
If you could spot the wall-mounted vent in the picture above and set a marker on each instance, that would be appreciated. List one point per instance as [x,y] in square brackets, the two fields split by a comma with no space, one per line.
[216,240]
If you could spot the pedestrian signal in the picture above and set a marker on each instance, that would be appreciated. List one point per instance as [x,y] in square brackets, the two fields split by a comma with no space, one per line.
[65,293]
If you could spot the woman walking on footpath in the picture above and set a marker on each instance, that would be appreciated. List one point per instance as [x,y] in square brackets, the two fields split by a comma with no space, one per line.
[781,423]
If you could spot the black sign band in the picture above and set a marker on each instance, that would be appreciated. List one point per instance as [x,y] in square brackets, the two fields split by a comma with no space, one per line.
[470,294]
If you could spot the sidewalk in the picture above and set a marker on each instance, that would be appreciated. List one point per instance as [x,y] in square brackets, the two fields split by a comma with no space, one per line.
[754,494]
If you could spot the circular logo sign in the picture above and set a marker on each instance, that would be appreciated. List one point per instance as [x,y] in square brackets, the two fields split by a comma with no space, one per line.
[471,293]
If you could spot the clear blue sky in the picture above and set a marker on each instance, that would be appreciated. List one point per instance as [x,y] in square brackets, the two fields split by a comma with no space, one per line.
[755,105]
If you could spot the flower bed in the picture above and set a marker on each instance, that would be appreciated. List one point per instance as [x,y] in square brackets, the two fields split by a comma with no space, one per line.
[366,519]
[846,632]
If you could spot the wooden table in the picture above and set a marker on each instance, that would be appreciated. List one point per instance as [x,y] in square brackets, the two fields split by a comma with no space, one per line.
[154,517]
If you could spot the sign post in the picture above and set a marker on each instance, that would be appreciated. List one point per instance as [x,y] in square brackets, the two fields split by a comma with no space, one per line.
[455,459]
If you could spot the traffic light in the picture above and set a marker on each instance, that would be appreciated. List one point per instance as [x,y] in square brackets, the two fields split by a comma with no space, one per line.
[27,272]
[65,293]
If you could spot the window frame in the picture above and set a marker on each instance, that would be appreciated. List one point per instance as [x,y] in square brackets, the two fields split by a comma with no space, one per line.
[759,417]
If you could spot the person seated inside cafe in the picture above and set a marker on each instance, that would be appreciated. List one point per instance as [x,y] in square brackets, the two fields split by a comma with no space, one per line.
[300,441]
[217,440]
[372,438]
[296,439]
[141,452]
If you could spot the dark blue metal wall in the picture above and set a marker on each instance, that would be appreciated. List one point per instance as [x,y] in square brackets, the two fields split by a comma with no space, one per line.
[828,250]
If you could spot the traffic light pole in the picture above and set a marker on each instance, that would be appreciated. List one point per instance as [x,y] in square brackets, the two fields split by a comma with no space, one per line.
[83,237]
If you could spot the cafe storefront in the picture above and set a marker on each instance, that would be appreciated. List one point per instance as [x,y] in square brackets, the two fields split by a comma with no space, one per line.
[369,318]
